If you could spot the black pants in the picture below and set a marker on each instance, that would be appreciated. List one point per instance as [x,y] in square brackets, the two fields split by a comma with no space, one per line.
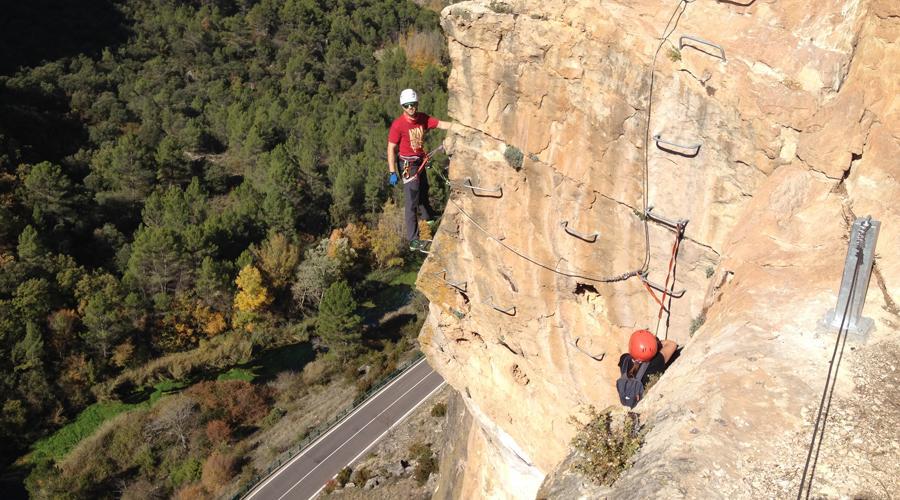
[415,195]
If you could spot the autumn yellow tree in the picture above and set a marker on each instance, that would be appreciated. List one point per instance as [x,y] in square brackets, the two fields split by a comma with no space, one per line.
[252,297]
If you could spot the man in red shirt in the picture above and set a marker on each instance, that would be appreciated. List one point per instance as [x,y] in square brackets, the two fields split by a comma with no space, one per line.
[407,135]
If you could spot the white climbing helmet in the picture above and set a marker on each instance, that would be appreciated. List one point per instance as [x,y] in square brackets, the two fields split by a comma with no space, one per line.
[408,96]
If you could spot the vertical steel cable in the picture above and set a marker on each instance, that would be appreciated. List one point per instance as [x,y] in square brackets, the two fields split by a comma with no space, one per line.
[834,364]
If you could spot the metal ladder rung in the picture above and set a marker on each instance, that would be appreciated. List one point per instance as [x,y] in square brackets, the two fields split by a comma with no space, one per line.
[459,285]
[693,148]
[509,311]
[677,225]
[475,189]
[673,293]
[598,357]
[422,248]
[682,38]
[590,238]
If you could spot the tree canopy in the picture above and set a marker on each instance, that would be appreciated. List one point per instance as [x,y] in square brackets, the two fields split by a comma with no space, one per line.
[178,176]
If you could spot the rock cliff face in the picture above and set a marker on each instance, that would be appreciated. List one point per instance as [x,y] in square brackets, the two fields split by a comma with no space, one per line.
[795,111]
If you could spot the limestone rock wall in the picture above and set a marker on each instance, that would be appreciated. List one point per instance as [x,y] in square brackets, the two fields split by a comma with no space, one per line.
[796,125]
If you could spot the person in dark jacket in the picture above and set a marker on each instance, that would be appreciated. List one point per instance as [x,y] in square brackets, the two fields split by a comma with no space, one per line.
[644,347]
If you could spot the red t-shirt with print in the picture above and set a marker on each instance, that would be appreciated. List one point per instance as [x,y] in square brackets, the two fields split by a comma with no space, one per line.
[410,134]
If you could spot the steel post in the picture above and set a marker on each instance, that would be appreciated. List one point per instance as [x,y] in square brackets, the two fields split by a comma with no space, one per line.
[861,252]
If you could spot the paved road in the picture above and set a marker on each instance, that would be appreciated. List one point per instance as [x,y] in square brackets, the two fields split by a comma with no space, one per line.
[306,474]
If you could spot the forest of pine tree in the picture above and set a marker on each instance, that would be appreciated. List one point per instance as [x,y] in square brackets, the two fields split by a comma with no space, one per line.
[197,177]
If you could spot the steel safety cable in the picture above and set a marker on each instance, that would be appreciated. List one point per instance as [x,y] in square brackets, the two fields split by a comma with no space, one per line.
[682,5]
[833,365]
[610,279]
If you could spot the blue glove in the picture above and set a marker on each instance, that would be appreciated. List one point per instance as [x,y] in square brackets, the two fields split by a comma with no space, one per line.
[393,179]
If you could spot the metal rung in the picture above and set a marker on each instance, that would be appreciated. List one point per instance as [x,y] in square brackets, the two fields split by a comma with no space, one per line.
[459,285]
[677,225]
[598,357]
[695,148]
[422,248]
[497,190]
[674,293]
[704,42]
[509,311]
[590,238]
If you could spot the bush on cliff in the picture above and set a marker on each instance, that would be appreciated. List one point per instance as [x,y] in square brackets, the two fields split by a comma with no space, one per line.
[607,443]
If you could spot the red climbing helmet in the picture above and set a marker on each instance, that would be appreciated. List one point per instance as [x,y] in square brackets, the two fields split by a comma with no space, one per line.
[642,346]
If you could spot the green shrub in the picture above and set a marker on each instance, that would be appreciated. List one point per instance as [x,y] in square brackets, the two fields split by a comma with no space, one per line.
[673,54]
[185,472]
[606,445]
[439,410]
[710,270]
[426,461]
[273,417]
[238,374]
[362,475]
[696,323]
[343,477]
[500,8]
[514,157]
[651,379]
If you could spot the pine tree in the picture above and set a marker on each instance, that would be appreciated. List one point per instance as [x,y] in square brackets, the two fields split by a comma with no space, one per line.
[48,194]
[337,323]
[100,303]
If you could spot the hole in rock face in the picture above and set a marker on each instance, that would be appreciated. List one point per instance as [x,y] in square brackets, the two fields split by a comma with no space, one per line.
[583,288]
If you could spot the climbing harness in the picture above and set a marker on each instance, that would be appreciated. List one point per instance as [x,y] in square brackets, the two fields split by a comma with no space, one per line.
[417,162]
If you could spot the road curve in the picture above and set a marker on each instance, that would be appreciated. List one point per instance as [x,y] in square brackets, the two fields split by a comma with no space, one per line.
[305,475]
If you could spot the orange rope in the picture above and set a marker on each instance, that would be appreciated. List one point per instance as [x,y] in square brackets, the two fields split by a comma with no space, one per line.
[652,294]
[679,234]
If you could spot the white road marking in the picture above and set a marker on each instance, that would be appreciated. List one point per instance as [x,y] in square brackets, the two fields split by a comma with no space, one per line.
[278,471]
[353,436]
[399,420]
